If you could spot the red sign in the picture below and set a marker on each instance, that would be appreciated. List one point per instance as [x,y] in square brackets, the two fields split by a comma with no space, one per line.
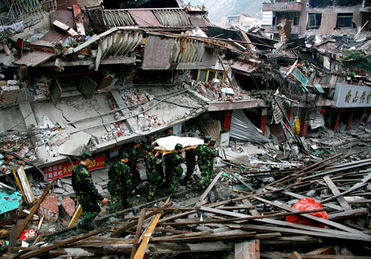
[65,169]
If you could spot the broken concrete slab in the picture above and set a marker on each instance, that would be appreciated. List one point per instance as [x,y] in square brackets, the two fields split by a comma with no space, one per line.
[68,205]
[75,145]
[49,208]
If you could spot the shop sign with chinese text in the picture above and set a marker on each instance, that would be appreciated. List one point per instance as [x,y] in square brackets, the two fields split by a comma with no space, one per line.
[347,96]
[65,169]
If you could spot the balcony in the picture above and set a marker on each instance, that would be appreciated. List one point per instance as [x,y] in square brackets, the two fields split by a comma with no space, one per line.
[283,7]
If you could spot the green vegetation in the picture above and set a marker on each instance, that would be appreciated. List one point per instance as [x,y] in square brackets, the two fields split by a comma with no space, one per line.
[356,60]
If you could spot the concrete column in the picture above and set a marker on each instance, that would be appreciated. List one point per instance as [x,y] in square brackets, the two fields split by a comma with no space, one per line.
[227,120]
[263,121]
[337,121]
[349,124]
[304,123]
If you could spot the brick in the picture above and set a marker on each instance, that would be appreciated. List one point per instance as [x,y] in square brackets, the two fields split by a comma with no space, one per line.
[68,205]
[49,208]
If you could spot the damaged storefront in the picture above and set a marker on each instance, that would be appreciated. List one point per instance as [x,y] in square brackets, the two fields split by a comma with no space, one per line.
[289,117]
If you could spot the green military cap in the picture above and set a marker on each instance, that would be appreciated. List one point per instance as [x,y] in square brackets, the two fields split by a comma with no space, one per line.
[191,134]
[149,147]
[124,155]
[178,146]
[86,155]
[137,141]
[207,139]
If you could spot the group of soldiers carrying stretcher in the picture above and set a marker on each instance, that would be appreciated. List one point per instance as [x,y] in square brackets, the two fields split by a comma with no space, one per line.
[124,177]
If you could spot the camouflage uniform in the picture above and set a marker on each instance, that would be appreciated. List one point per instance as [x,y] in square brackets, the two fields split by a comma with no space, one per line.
[120,185]
[86,194]
[205,161]
[154,176]
[133,162]
[190,156]
[175,168]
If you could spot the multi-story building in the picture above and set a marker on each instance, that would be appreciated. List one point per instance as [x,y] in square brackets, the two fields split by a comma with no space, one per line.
[242,21]
[317,17]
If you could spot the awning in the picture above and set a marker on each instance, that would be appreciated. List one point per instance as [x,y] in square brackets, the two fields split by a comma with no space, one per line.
[243,129]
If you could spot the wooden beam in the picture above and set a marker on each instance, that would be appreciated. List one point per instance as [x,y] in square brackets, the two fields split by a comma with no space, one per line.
[351,189]
[75,216]
[147,235]
[335,191]
[34,209]
[129,225]
[60,244]
[314,218]
[137,233]
[206,192]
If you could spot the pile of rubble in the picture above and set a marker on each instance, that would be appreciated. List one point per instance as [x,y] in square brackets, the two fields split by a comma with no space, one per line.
[242,208]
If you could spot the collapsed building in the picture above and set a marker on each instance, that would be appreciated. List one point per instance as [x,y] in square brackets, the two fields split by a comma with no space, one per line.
[94,75]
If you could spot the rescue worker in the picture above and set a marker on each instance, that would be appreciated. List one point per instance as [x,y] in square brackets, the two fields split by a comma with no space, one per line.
[206,154]
[190,156]
[120,184]
[86,193]
[147,144]
[133,155]
[152,162]
[176,170]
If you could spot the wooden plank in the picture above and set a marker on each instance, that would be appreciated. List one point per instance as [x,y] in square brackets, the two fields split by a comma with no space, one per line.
[349,214]
[222,212]
[311,217]
[353,188]
[247,250]
[322,251]
[208,189]
[335,191]
[75,216]
[295,255]
[60,244]
[267,228]
[34,209]
[253,212]
[135,222]
[239,219]
[147,235]
[289,224]
[226,235]
[137,233]
[299,196]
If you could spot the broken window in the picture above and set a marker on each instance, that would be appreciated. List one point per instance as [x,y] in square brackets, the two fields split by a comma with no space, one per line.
[208,75]
[314,20]
[344,20]
[233,20]
[290,17]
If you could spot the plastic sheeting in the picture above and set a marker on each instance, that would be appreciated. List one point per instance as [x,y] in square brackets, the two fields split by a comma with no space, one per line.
[317,122]
[9,200]
[243,129]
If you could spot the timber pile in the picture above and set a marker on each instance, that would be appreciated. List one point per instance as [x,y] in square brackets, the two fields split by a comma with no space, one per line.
[253,222]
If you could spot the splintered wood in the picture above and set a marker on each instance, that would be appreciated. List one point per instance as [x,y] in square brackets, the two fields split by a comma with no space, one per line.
[249,225]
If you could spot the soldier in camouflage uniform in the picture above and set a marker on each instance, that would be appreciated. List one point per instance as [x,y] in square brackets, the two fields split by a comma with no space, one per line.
[153,161]
[190,156]
[86,193]
[205,160]
[175,168]
[120,184]
[133,162]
